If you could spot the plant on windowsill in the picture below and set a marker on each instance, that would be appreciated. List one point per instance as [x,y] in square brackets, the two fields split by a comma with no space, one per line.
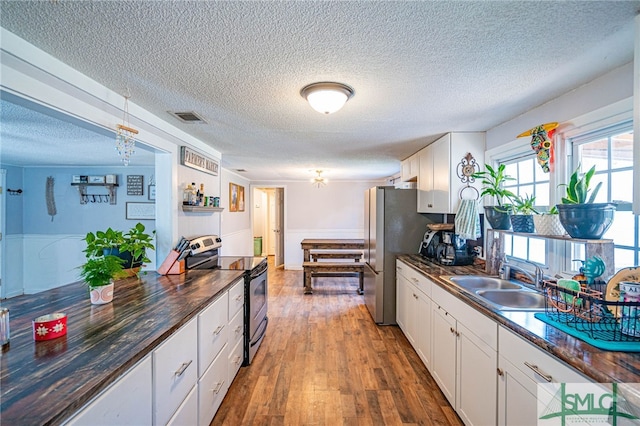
[131,247]
[579,214]
[523,210]
[493,181]
[548,223]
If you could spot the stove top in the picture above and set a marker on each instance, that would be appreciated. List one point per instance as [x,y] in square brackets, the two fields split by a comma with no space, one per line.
[246,263]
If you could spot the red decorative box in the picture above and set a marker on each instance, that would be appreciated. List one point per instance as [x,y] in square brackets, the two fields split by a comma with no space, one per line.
[50,326]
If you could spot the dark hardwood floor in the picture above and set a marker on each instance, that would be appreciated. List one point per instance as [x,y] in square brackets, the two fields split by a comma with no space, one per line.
[325,362]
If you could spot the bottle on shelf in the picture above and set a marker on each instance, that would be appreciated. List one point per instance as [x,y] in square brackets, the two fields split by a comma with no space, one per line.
[194,197]
[201,195]
[186,195]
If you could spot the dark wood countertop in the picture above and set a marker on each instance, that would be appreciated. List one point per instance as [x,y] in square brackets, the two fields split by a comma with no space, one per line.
[45,382]
[597,364]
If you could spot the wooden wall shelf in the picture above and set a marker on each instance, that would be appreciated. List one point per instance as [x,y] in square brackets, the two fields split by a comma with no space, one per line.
[87,198]
[201,209]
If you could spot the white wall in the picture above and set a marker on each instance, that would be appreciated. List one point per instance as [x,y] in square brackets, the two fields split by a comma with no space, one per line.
[335,210]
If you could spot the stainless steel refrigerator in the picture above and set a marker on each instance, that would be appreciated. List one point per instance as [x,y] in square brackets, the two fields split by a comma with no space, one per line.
[392,226]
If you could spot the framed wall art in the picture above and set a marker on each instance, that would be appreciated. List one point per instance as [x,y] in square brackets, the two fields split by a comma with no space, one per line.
[236,198]
[141,211]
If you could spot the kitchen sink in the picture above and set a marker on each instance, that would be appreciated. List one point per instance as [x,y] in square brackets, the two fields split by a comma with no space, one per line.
[480,282]
[522,300]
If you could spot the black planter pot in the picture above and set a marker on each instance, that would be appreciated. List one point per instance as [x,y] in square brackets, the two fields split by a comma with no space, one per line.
[522,223]
[496,218]
[126,256]
[587,221]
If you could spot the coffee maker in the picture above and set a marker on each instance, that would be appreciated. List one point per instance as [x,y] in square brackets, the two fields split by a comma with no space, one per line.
[429,244]
[453,250]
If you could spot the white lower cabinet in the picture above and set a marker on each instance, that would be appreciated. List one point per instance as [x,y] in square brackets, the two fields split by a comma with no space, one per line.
[126,402]
[521,368]
[212,388]
[187,413]
[413,309]
[464,357]
[175,371]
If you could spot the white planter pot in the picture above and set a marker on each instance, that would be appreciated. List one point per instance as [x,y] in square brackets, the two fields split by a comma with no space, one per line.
[548,224]
[101,295]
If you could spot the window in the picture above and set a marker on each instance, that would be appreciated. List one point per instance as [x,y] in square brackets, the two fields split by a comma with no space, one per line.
[529,180]
[610,150]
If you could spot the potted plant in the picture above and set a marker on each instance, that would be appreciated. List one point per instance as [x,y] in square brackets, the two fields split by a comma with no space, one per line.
[493,181]
[522,219]
[548,223]
[99,272]
[130,247]
[579,214]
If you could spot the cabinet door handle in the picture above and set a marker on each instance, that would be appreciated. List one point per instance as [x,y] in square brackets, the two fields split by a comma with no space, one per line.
[415,280]
[218,330]
[239,329]
[539,372]
[239,297]
[452,330]
[183,367]
[237,360]
[500,372]
[218,387]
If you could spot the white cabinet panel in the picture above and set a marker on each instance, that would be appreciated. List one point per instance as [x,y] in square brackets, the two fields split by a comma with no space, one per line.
[212,388]
[444,344]
[236,298]
[236,328]
[175,372]
[236,356]
[212,331]
[187,413]
[126,402]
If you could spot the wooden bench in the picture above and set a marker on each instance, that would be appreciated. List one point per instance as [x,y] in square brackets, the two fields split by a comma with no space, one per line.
[316,255]
[335,269]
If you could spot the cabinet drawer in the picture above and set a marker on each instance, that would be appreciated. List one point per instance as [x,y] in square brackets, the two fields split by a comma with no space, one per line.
[212,331]
[212,388]
[236,298]
[483,327]
[421,282]
[127,401]
[236,356]
[518,351]
[175,365]
[236,328]
[187,413]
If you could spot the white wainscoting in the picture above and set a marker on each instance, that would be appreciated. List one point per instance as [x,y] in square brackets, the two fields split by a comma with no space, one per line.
[13,270]
[239,243]
[293,256]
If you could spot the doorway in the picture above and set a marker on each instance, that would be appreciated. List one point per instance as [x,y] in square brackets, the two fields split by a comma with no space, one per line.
[268,222]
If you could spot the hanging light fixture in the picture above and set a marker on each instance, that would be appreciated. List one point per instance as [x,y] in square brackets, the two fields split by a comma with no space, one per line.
[327,97]
[319,181]
[125,134]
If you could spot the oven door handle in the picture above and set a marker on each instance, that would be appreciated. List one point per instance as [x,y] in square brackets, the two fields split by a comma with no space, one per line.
[264,330]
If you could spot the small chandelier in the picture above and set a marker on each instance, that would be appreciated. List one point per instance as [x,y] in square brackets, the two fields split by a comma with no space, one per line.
[125,135]
[327,97]
[319,181]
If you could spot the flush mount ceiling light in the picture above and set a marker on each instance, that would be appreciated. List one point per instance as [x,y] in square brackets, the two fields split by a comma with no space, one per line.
[318,181]
[327,97]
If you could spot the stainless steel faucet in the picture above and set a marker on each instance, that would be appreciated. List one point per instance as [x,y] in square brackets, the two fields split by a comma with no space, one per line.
[535,280]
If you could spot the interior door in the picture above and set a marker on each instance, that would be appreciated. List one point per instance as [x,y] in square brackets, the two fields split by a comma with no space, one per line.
[279,229]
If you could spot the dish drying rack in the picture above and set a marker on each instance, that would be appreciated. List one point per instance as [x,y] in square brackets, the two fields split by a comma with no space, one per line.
[587,312]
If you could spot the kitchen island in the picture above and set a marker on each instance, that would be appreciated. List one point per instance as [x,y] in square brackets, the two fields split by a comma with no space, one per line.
[47,382]
[599,365]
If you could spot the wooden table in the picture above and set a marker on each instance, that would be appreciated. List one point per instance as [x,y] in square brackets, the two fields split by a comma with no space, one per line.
[330,268]
[331,243]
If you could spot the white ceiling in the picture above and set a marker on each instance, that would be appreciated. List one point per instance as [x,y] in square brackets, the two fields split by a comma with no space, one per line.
[419,69]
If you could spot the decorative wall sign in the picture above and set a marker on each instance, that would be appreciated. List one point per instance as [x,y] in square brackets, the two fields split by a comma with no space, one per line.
[141,211]
[195,160]
[236,198]
[135,184]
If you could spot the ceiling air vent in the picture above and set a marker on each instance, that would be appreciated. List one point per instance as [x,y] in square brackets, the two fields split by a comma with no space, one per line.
[241,170]
[188,117]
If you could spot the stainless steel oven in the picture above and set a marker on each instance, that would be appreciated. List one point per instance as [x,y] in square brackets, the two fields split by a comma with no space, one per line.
[204,255]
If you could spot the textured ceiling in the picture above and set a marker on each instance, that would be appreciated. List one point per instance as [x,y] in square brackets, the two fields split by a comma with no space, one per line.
[419,69]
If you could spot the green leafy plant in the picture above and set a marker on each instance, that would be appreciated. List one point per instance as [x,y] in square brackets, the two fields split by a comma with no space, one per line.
[578,188]
[135,241]
[98,271]
[524,205]
[493,181]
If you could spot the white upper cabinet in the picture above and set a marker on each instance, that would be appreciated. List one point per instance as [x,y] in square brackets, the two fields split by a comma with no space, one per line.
[441,165]
[410,169]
